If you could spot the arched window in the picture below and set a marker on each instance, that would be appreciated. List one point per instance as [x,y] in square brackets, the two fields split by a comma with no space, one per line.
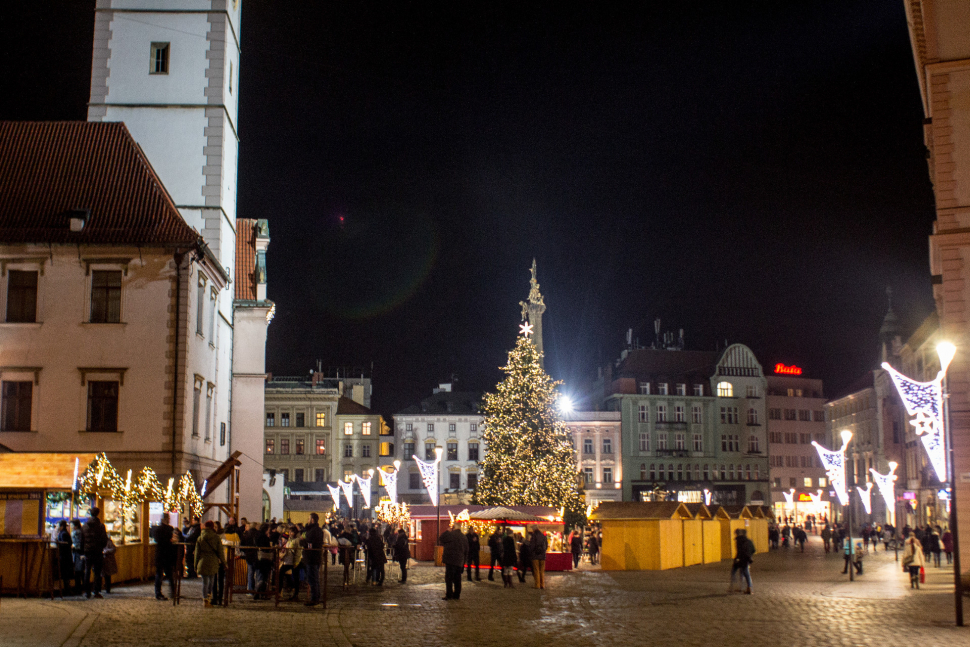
[643,471]
[670,472]
[706,473]
[725,390]
[747,472]
[731,471]
[680,472]
[653,473]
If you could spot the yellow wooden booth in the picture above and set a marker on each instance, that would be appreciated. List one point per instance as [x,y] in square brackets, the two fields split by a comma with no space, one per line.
[758,529]
[642,536]
[711,529]
[694,533]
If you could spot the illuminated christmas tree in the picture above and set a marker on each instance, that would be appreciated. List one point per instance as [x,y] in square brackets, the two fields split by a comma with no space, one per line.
[529,458]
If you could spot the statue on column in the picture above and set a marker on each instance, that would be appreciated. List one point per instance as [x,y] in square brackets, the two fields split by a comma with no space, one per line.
[532,311]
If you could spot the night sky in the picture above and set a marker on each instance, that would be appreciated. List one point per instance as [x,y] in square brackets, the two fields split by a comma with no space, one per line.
[747,171]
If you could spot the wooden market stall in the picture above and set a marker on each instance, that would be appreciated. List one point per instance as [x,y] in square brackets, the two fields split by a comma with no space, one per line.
[758,529]
[641,536]
[694,533]
[732,518]
[712,536]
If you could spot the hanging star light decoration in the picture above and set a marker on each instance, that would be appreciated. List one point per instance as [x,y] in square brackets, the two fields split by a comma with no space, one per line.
[886,484]
[335,495]
[789,496]
[834,463]
[924,401]
[389,481]
[429,475]
[816,501]
[866,495]
[348,489]
[525,329]
[364,485]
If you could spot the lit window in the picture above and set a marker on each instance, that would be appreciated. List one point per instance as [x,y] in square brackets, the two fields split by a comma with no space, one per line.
[321,447]
[159,59]
[365,428]
[725,390]
[321,419]
[807,481]
[270,446]
[387,449]
[823,482]
[348,428]
[300,446]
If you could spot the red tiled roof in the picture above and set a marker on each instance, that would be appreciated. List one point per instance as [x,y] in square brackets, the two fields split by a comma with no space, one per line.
[48,169]
[245,259]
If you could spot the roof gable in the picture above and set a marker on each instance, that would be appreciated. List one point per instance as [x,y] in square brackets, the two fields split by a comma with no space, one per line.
[49,169]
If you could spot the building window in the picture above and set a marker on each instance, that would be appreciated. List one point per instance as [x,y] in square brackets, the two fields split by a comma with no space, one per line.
[409,427]
[270,446]
[212,317]
[473,427]
[754,446]
[300,446]
[679,414]
[21,297]
[365,428]
[729,415]
[706,473]
[285,475]
[607,446]
[680,440]
[301,419]
[414,481]
[661,442]
[699,389]
[430,427]
[284,420]
[789,414]
[106,296]
[696,414]
[774,414]
[298,475]
[319,475]
[823,482]
[454,481]
[680,472]
[662,388]
[408,451]
[791,438]
[284,445]
[681,389]
[321,447]
[348,450]
[807,481]
[698,442]
[208,414]
[102,406]
[472,481]
[365,451]
[644,412]
[588,446]
[661,473]
[200,306]
[451,427]
[751,391]
[386,449]
[222,434]
[159,60]
[752,416]
[644,388]
[819,416]
[661,413]
[429,452]
[17,398]
[608,475]
[270,419]
[196,405]
[452,452]
[725,390]
[653,472]
[348,428]
[588,475]
[321,418]
[644,441]
[473,451]
[804,415]
[730,443]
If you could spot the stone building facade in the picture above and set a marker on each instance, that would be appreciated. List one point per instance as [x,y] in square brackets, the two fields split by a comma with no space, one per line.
[598,447]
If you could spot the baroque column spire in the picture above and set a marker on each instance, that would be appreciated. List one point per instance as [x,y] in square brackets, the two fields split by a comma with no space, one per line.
[532,311]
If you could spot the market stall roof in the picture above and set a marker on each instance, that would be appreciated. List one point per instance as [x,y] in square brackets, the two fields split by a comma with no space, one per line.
[501,513]
[543,513]
[737,511]
[699,511]
[617,510]
[39,470]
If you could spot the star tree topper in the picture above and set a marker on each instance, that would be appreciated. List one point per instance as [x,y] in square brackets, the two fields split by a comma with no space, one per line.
[525,329]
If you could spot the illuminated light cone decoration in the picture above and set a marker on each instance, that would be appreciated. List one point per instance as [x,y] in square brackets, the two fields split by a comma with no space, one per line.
[886,484]
[389,481]
[530,454]
[924,401]
[364,485]
[789,496]
[335,495]
[834,463]
[348,488]
[429,475]
[866,495]
[817,501]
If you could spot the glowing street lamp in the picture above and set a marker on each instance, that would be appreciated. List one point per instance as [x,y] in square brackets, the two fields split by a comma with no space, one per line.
[565,404]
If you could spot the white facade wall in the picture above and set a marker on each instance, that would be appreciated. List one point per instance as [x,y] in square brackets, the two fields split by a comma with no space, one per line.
[455,429]
[602,431]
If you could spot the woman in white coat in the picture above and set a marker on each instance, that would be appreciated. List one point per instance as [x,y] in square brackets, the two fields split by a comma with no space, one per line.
[913,559]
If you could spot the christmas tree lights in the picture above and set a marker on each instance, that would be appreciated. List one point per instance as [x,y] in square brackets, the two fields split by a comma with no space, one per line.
[530,455]
[924,401]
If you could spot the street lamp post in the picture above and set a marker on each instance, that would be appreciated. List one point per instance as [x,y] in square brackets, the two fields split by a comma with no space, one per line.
[846,439]
[946,352]
[437,452]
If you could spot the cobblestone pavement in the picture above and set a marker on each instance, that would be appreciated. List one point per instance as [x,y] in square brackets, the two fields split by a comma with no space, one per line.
[799,599]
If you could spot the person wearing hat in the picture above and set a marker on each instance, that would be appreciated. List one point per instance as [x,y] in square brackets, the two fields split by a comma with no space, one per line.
[95,539]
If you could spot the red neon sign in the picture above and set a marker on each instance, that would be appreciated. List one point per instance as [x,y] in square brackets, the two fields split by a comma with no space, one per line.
[788,370]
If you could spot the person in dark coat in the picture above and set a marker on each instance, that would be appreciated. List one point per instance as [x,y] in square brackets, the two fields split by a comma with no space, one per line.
[508,558]
[454,555]
[65,560]
[313,540]
[95,539]
[495,547]
[166,554]
[77,554]
[576,547]
[744,556]
[376,555]
[474,548]
[525,558]
[264,561]
[247,544]
[593,544]
[110,564]
[402,553]
[191,537]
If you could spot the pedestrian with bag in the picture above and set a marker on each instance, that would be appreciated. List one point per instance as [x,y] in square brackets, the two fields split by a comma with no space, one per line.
[913,560]
[209,557]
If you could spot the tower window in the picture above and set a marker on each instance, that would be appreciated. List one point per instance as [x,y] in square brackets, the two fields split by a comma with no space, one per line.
[159,60]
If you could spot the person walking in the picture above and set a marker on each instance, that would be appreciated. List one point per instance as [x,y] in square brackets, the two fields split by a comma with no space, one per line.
[376,556]
[110,564]
[95,539]
[913,559]
[594,548]
[65,560]
[576,547]
[946,540]
[744,553]
[495,550]
[800,538]
[77,554]
[508,558]
[935,546]
[474,549]
[525,557]
[827,538]
[538,545]
[290,563]
[454,553]
[313,544]
[402,553]
[165,555]
[265,552]
[209,555]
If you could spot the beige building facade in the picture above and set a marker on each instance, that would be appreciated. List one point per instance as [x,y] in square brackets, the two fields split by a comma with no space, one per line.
[597,447]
